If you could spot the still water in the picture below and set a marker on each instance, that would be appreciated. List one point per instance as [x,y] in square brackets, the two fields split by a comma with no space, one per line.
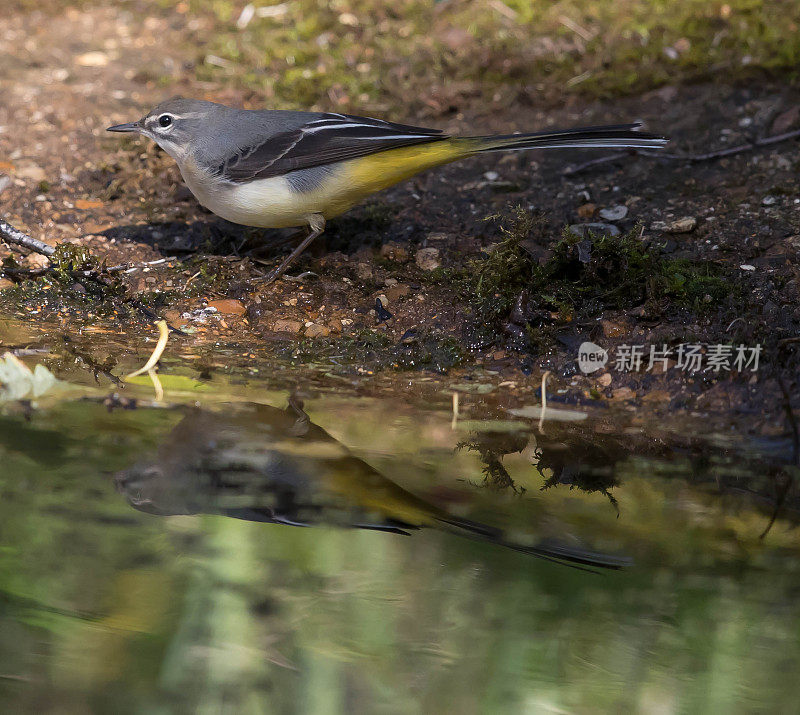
[142,569]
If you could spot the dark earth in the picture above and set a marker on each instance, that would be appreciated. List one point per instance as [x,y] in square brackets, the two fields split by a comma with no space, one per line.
[416,286]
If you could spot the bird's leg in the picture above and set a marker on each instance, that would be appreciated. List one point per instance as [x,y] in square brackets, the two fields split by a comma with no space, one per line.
[316,225]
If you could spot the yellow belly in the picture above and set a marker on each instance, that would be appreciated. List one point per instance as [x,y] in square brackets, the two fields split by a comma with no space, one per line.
[272,203]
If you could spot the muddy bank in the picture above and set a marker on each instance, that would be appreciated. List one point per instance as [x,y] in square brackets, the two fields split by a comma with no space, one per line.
[417,283]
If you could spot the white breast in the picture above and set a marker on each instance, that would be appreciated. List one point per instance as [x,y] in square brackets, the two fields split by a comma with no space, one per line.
[267,203]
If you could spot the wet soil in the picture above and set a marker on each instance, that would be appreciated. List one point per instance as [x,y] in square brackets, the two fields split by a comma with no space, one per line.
[365,304]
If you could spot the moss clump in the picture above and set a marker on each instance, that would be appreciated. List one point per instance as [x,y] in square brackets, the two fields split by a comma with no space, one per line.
[69,258]
[372,350]
[590,275]
[495,283]
[584,277]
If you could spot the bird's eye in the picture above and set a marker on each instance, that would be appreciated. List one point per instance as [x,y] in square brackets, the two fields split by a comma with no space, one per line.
[164,121]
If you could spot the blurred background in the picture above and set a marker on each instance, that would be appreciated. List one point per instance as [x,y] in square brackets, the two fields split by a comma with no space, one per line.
[431,58]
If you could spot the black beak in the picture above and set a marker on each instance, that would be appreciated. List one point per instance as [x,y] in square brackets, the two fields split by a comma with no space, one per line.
[129,127]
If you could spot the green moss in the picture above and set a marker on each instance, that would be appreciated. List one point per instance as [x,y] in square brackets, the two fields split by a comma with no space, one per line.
[496,282]
[74,284]
[356,53]
[69,258]
[604,272]
[583,278]
[410,54]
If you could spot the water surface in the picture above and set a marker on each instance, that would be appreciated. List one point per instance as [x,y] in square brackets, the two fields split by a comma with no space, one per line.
[140,571]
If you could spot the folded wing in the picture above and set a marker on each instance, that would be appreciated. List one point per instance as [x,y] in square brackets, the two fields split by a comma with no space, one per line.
[329,139]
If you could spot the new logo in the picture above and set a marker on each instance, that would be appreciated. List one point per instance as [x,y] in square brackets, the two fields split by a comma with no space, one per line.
[591,358]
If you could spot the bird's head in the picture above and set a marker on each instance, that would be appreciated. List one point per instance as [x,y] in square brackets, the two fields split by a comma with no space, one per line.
[176,125]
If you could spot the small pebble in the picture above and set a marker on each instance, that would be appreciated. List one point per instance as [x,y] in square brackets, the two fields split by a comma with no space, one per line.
[287,326]
[317,331]
[769,200]
[747,267]
[681,225]
[428,258]
[398,291]
[364,271]
[614,213]
[394,252]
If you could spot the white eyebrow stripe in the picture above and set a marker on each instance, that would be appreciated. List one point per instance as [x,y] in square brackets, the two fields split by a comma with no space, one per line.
[190,115]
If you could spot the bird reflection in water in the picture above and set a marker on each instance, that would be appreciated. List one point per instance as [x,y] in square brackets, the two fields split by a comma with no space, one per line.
[276,466]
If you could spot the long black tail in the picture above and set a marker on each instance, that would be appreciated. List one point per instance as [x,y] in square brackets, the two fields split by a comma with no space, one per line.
[559,553]
[617,135]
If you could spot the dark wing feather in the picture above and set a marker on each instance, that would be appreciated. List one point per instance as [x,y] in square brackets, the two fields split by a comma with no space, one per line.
[329,139]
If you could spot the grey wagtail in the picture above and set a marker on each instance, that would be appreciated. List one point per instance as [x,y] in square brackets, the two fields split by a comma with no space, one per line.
[276,169]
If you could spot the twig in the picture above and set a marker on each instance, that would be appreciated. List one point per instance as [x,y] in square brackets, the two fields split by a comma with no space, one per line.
[133,267]
[23,272]
[157,386]
[13,235]
[691,158]
[89,279]
[544,400]
[571,170]
[163,336]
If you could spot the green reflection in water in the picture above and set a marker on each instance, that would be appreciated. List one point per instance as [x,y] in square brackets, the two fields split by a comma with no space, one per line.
[106,608]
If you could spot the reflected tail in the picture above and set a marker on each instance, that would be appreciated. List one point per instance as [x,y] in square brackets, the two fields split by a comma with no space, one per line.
[549,551]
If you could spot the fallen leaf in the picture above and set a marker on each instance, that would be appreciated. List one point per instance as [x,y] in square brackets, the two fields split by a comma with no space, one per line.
[228,306]
[84,204]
